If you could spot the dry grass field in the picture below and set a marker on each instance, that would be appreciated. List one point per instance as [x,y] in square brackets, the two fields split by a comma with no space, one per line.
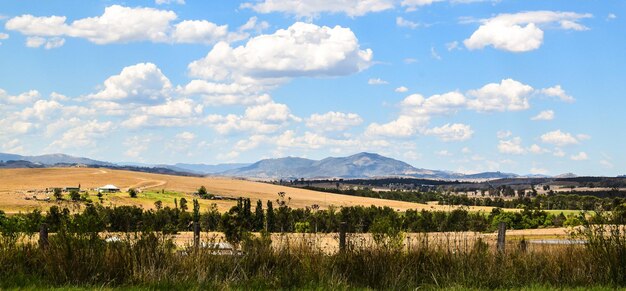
[15,184]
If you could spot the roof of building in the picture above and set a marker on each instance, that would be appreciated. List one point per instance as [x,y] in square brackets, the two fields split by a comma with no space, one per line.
[109,187]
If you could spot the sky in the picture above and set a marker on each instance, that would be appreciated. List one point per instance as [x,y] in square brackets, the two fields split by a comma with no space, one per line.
[530,87]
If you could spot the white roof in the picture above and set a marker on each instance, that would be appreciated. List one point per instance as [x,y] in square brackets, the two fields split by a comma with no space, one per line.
[109,187]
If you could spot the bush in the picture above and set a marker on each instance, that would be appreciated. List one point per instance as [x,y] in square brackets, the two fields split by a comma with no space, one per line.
[132,192]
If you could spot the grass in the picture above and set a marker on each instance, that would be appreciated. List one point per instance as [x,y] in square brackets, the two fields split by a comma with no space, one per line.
[150,261]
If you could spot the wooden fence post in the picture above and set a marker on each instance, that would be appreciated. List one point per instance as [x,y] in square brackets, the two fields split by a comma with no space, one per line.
[501,236]
[43,236]
[342,236]
[196,234]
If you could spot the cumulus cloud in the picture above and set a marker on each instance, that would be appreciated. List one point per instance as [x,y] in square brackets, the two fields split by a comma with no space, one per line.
[333,121]
[377,81]
[559,138]
[265,118]
[544,115]
[521,32]
[141,83]
[452,132]
[161,2]
[558,92]
[509,95]
[120,24]
[312,8]
[24,98]
[401,89]
[512,146]
[84,135]
[403,126]
[301,50]
[174,108]
[401,22]
[504,134]
[581,156]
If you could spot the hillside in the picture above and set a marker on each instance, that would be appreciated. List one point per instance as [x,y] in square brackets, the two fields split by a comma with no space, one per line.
[355,166]
[15,182]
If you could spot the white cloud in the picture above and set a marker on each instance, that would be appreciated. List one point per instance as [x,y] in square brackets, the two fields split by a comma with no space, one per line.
[312,8]
[435,104]
[521,32]
[581,156]
[544,115]
[509,95]
[401,89]
[582,137]
[13,146]
[434,54]
[411,5]
[265,118]
[606,164]
[377,81]
[119,24]
[403,126]
[512,146]
[452,45]
[174,108]
[410,61]
[558,153]
[401,22]
[557,91]
[300,50]
[611,16]
[84,135]
[141,83]
[538,171]
[333,121]
[504,134]
[3,36]
[161,2]
[443,153]
[186,135]
[452,132]
[58,97]
[536,149]
[24,98]
[559,138]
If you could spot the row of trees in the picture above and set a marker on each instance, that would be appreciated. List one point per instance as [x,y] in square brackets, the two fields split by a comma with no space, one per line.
[273,216]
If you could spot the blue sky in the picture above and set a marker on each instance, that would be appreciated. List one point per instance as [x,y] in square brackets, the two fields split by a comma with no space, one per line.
[469,86]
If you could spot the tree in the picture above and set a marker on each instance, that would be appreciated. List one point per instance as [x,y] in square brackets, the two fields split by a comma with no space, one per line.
[58,195]
[202,192]
[158,205]
[196,210]
[74,195]
[271,219]
[183,204]
[132,192]
[259,216]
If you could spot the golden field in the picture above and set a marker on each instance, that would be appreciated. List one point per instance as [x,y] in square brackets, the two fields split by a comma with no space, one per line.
[15,184]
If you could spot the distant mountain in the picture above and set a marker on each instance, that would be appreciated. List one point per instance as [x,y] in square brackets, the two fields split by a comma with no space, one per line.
[566,175]
[16,164]
[490,175]
[362,165]
[210,169]
[53,159]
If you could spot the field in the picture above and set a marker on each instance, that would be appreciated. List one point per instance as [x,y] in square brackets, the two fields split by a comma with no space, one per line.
[15,185]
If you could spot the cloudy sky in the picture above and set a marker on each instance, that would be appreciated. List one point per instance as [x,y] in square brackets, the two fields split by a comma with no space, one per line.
[463,85]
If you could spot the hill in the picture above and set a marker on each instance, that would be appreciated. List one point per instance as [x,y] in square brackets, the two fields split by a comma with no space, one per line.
[15,184]
[361,165]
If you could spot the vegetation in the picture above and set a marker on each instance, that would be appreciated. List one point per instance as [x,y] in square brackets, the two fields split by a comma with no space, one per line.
[80,258]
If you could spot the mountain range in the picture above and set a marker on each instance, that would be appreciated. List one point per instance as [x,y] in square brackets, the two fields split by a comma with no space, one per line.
[361,165]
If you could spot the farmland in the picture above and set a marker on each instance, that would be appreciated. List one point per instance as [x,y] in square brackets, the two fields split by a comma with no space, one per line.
[15,184]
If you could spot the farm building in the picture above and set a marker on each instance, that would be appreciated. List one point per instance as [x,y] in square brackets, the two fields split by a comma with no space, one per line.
[108,189]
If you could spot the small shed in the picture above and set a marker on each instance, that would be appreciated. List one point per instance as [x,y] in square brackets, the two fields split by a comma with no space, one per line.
[108,189]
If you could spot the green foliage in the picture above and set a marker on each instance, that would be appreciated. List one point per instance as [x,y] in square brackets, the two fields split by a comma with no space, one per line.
[303,227]
[58,195]
[132,193]
[183,204]
[74,195]
[387,233]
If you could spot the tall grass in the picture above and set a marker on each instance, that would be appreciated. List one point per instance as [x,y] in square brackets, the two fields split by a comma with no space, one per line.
[151,260]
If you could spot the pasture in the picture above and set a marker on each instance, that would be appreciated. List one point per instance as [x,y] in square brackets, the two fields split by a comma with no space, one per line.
[15,185]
